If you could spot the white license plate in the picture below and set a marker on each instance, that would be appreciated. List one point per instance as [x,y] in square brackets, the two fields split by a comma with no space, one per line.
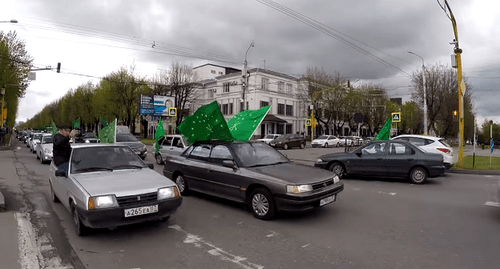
[327,200]
[141,210]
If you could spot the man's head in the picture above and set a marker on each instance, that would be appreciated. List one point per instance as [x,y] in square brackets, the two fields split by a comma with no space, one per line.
[65,130]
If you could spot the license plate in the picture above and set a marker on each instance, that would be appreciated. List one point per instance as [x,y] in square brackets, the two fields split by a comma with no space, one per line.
[327,200]
[141,210]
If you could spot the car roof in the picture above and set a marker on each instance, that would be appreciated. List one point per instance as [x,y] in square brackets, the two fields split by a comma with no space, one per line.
[95,145]
[419,136]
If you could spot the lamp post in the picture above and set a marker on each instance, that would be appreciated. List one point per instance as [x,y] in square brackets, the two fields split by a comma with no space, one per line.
[244,84]
[425,91]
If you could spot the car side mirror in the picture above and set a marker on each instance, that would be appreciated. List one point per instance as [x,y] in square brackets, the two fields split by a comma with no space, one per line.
[61,173]
[228,163]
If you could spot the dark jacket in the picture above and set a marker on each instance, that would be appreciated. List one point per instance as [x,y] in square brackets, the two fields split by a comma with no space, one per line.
[62,149]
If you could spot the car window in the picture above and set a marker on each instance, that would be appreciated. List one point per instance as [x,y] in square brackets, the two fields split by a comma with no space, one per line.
[323,137]
[47,140]
[201,152]
[220,153]
[167,142]
[177,142]
[374,149]
[257,154]
[444,143]
[160,140]
[400,149]
[92,159]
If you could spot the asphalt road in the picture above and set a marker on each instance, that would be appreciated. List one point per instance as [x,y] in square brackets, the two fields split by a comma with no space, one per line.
[451,222]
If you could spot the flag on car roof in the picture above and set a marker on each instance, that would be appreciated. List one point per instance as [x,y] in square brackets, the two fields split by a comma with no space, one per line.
[160,132]
[54,128]
[385,132]
[205,124]
[76,124]
[243,124]
[107,134]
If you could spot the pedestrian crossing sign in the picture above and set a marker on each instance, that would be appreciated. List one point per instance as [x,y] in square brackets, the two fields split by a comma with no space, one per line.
[308,122]
[396,117]
[172,112]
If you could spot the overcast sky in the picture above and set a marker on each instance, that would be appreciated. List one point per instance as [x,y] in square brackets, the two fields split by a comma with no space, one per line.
[364,40]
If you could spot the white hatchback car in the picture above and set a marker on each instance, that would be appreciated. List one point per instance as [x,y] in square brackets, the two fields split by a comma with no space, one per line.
[326,141]
[268,138]
[431,144]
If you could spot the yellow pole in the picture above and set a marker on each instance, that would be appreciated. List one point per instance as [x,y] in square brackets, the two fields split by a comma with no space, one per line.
[312,123]
[3,95]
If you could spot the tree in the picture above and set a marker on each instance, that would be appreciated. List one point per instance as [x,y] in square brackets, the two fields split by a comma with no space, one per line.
[442,99]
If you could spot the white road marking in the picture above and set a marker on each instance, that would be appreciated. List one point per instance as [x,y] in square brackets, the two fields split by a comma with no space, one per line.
[490,203]
[31,246]
[271,234]
[306,245]
[216,251]
[381,192]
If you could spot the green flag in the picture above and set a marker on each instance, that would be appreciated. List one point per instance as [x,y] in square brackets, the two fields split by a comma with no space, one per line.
[160,132]
[108,133]
[104,122]
[205,124]
[76,124]
[243,124]
[54,128]
[385,132]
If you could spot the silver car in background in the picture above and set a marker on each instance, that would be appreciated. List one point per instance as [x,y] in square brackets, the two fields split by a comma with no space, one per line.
[44,148]
[170,145]
[34,141]
[108,185]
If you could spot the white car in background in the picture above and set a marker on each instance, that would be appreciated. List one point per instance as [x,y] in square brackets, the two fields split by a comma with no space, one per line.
[431,144]
[268,138]
[326,141]
[44,148]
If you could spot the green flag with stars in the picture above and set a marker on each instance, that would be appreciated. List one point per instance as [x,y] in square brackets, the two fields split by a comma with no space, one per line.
[205,124]
[385,132]
[243,124]
[160,132]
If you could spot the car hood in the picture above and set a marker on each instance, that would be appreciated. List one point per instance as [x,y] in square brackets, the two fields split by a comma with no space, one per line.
[47,146]
[122,182]
[294,173]
[131,144]
[336,155]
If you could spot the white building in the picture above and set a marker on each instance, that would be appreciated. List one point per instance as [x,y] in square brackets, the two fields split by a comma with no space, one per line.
[266,87]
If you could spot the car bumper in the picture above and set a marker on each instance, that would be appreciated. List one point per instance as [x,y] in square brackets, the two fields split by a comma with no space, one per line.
[306,201]
[113,217]
[47,158]
[322,165]
[435,171]
[447,166]
[317,145]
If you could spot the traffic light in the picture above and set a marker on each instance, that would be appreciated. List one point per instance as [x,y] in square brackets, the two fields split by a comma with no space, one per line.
[455,116]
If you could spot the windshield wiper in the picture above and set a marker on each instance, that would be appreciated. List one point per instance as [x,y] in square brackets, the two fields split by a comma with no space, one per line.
[128,166]
[257,165]
[91,169]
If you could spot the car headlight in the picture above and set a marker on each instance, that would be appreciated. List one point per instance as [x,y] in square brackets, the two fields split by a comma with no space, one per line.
[319,160]
[167,193]
[298,188]
[99,202]
[336,179]
[87,141]
[280,142]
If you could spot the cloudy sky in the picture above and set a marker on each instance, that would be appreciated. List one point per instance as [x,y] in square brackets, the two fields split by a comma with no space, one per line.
[364,40]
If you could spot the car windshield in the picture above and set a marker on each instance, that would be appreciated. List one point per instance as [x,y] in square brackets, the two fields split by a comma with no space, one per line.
[47,140]
[444,143]
[271,136]
[323,137]
[287,136]
[125,138]
[109,158]
[37,136]
[257,154]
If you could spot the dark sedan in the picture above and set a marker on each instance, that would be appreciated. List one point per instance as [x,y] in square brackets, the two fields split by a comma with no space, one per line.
[289,140]
[252,173]
[385,159]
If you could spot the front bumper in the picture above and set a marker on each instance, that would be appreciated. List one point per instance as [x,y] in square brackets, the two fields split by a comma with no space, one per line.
[323,165]
[113,217]
[306,201]
[317,145]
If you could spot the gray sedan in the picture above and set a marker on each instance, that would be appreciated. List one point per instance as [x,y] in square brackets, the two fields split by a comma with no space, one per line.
[107,186]
[44,148]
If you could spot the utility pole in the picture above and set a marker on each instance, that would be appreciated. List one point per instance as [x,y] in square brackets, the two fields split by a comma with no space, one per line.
[244,83]
[425,91]
[461,88]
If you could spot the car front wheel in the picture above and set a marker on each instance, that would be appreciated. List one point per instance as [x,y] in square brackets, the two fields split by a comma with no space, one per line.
[159,159]
[80,229]
[302,145]
[418,175]
[285,146]
[262,204]
[326,145]
[181,184]
[338,169]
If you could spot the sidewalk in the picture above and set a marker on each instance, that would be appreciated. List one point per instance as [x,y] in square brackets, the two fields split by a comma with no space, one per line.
[9,235]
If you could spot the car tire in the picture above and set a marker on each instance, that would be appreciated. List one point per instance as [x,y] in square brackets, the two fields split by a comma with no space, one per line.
[338,145]
[285,147]
[302,145]
[338,169]
[159,159]
[80,229]
[326,145]
[53,196]
[262,204]
[418,175]
[181,184]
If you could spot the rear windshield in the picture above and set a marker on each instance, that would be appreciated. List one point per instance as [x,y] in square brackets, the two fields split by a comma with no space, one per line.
[47,140]
[442,141]
[125,138]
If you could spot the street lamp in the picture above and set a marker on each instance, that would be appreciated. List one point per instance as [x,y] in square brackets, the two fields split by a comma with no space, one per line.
[244,84]
[425,92]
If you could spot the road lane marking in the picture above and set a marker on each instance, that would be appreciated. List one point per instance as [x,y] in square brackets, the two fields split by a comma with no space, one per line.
[216,251]
[490,203]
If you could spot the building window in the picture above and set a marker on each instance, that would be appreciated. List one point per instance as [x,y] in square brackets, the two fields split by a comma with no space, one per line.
[265,83]
[281,109]
[263,104]
[289,128]
[280,128]
[225,87]
[289,88]
[220,73]
[242,108]
[281,86]
[213,71]
[289,110]
[225,109]
[211,93]
[231,108]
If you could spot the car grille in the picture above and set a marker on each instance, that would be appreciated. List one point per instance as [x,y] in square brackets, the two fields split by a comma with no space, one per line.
[323,184]
[137,200]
